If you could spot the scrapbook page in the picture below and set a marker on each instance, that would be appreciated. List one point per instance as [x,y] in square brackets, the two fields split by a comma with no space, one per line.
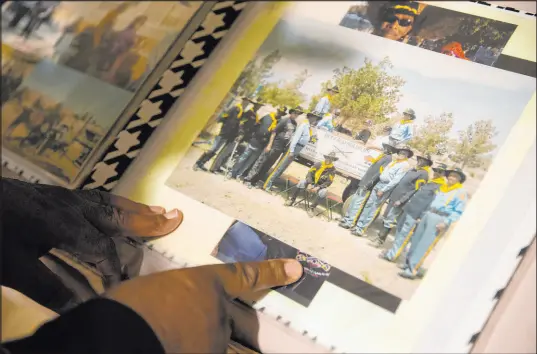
[280,162]
[70,69]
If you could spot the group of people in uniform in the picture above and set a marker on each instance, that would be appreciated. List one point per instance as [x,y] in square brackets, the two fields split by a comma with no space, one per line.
[423,202]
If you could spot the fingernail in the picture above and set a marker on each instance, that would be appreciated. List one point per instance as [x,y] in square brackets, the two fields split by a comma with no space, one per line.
[157,209]
[293,269]
[172,214]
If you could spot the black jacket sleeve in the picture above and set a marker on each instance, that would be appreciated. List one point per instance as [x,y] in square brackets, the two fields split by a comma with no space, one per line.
[99,326]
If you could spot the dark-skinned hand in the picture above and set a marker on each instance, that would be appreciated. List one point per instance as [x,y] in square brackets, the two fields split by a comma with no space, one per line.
[37,218]
[190,310]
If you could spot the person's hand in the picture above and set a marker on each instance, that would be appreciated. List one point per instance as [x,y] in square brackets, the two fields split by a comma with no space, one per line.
[37,218]
[267,149]
[291,155]
[441,227]
[380,194]
[315,189]
[397,203]
[190,309]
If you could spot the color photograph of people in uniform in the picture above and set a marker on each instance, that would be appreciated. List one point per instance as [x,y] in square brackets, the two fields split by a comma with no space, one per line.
[353,148]
[51,123]
[119,42]
[431,27]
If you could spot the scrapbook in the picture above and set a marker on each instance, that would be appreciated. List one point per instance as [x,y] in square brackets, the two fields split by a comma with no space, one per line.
[315,132]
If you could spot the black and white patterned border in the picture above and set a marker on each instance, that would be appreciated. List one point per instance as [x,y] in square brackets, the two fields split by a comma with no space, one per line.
[131,139]
[505,8]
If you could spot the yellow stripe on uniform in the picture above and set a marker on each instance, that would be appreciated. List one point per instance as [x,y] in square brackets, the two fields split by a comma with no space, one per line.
[361,208]
[275,169]
[405,242]
[273,123]
[429,250]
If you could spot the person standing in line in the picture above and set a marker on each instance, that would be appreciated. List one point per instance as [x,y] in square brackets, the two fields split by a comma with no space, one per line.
[228,132]
[388,179]
[403,130]
[327,122]
[446,208]
[247,123]
[368,181]
[300,138]
[320,176]
[258,143]
[279,139]
[325,103]
[412,181]
[414,204]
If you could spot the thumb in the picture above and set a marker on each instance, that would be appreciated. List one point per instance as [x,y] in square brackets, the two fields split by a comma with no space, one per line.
[238,279]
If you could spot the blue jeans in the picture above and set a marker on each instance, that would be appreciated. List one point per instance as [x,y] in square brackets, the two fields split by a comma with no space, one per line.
[423,240]
[405,229]
[321,193]
[370,211]
[217,143]
[358,200]
[247,159]
[391,220]
[281,167]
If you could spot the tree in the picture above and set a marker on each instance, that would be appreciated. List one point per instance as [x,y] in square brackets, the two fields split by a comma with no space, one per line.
[366,93]
[284,93]
[255,74]
[474,143]
[432,137]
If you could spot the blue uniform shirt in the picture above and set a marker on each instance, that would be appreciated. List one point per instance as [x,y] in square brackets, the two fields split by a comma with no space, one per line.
[402,132]
[452,203]
[391,175]
[326,123]
[323,106]
[241,244]
[301,136]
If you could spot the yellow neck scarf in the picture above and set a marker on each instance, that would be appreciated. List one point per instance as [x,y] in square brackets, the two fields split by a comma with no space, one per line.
[329,97]
[440,180]
[391,164]
[405,121]
[319,172]
[241,110]
[445,188]
[377,159]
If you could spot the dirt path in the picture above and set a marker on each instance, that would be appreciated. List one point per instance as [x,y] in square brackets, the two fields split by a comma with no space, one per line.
[316,236]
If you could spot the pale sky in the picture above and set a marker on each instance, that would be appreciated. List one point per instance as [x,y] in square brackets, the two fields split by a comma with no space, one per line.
[435,83]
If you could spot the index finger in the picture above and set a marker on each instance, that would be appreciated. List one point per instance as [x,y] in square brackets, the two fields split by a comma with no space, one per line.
[242,278]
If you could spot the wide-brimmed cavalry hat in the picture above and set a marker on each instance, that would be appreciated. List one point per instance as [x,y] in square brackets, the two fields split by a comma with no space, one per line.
[406,149]
[334,89]
[457,171]
[282,110]
[332,156]
[297,110]
[255,102]
[410,112]
[312,115]
[389,148]
[426,158]
[440,168]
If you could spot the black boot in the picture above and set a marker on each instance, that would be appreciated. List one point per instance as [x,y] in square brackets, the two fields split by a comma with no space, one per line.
[381,237]
[313,206]
[291,200]
[199,165]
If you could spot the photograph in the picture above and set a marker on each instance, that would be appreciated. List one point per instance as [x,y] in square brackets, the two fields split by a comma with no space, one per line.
[430,27]
[119,42]
[50,122]
[242,243]
[354,148]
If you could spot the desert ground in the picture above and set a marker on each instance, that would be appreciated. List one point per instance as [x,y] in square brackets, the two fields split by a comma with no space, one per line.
[317,236]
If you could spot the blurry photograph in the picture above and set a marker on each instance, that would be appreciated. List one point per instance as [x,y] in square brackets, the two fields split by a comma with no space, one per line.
[242,243]
[118,42]
[353,148]
[50,122]
[430,27]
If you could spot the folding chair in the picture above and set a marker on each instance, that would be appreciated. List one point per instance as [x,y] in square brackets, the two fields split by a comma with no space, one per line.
[331,201]
[291,182]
